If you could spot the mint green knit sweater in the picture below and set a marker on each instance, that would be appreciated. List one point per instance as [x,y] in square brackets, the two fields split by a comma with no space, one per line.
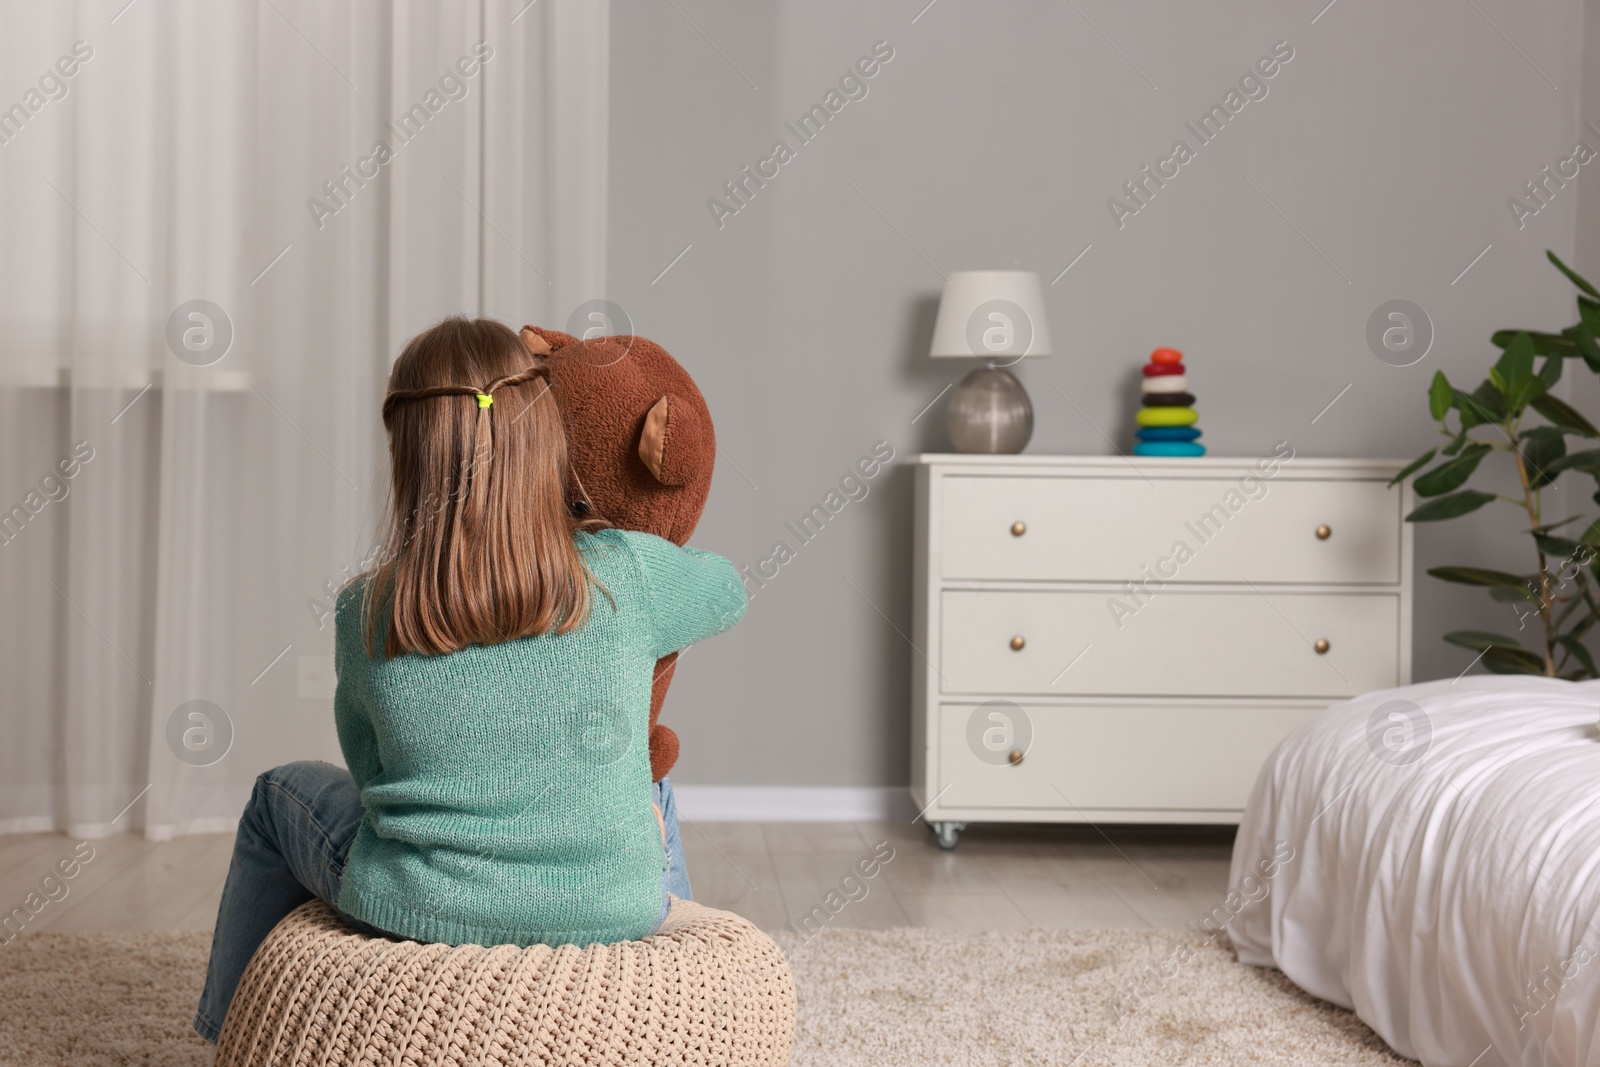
[507,787]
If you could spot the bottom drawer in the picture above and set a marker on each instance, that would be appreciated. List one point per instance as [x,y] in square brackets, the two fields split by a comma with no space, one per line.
[1105,757]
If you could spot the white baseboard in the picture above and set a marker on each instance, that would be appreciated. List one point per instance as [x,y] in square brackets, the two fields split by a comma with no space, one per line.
[793,803]
[166,831]
[217,824]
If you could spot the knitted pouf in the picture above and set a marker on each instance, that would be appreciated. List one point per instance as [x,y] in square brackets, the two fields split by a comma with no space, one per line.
[708,988]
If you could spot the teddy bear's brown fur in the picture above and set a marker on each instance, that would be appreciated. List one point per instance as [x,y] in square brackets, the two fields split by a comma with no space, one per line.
[642,448]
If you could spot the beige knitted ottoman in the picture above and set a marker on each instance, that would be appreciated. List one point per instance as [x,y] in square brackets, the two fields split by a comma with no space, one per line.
[708,988]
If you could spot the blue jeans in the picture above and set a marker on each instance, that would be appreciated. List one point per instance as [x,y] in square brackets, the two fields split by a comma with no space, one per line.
[676,880]
[293,840]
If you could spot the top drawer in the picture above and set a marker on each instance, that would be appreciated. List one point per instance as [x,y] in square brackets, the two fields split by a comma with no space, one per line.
[1174,529]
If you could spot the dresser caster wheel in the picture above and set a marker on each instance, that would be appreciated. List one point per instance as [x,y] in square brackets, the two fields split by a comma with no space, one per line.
[947,833]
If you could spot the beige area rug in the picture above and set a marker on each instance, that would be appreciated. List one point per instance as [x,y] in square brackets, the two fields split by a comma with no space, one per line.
[1086,998]
[101,1000]
[913,997]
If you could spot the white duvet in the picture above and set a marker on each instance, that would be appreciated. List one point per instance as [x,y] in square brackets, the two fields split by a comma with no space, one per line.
[1445,875]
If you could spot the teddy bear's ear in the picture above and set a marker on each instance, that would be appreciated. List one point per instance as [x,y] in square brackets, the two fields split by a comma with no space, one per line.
[536,344]
[671,440]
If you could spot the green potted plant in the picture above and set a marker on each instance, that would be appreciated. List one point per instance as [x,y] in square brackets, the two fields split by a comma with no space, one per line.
[1559,597]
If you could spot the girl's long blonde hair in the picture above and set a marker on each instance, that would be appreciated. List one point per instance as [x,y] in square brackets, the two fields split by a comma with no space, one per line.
[478,543]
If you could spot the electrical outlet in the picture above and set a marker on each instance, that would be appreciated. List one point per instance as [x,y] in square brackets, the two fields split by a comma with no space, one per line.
[316,677]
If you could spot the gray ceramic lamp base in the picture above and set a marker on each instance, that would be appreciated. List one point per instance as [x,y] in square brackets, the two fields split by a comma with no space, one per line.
[989,412]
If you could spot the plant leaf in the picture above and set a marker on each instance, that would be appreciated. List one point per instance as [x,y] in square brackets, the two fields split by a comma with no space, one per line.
[1563,416]
[1579,653]
[1472,414]
[1507,595]
[1561,548]
[1550,373]
[1532,389]
[1513,374]
[1589,314]
[1547,527]
[1484,577]
[1450,507]
[1545,344]
[1441,397]
[1478,640]
[1413,467]
[1588,460]
[1451,474]
[1455,446]
[1572,275]
[1541,447]
[1515,364]
[1512,661]
[1583,341]
[1488,401]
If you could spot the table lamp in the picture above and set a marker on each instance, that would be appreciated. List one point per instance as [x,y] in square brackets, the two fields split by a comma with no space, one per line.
[996,316]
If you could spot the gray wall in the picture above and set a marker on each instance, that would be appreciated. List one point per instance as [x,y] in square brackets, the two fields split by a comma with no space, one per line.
[1585,392]
[1390,144]
[1588,238]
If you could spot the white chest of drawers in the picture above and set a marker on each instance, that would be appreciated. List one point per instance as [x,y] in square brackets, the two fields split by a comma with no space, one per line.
[1101,639]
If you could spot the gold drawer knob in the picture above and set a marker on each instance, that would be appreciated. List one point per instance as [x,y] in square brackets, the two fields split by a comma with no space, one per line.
[1015,757]
[1017,643]
[1018,528]
[1324,532]
[1322,646]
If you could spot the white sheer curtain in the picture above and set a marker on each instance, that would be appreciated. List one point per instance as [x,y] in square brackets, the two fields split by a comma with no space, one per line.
[170,527]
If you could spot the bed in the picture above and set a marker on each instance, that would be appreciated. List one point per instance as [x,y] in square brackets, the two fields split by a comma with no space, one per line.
[1437,868]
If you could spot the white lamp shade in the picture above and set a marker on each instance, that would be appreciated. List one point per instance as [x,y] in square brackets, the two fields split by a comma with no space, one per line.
[994,315]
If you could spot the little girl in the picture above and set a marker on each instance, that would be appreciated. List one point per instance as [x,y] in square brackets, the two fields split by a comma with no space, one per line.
[493,692]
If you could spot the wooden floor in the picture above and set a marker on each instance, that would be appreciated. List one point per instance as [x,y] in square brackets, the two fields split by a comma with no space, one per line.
[999,878]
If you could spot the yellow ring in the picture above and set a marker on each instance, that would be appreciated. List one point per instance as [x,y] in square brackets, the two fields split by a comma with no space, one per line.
[1167,416]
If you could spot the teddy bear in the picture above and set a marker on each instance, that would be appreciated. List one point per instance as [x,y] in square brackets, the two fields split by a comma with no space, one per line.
[641,446]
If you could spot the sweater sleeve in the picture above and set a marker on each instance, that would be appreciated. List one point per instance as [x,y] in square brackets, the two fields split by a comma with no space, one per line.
[357,739]
[692,594]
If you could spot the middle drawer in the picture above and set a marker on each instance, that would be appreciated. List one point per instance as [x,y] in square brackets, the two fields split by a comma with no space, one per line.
[1181,642]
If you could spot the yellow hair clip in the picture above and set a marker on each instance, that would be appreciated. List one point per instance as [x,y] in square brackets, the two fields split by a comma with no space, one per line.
[485,399]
